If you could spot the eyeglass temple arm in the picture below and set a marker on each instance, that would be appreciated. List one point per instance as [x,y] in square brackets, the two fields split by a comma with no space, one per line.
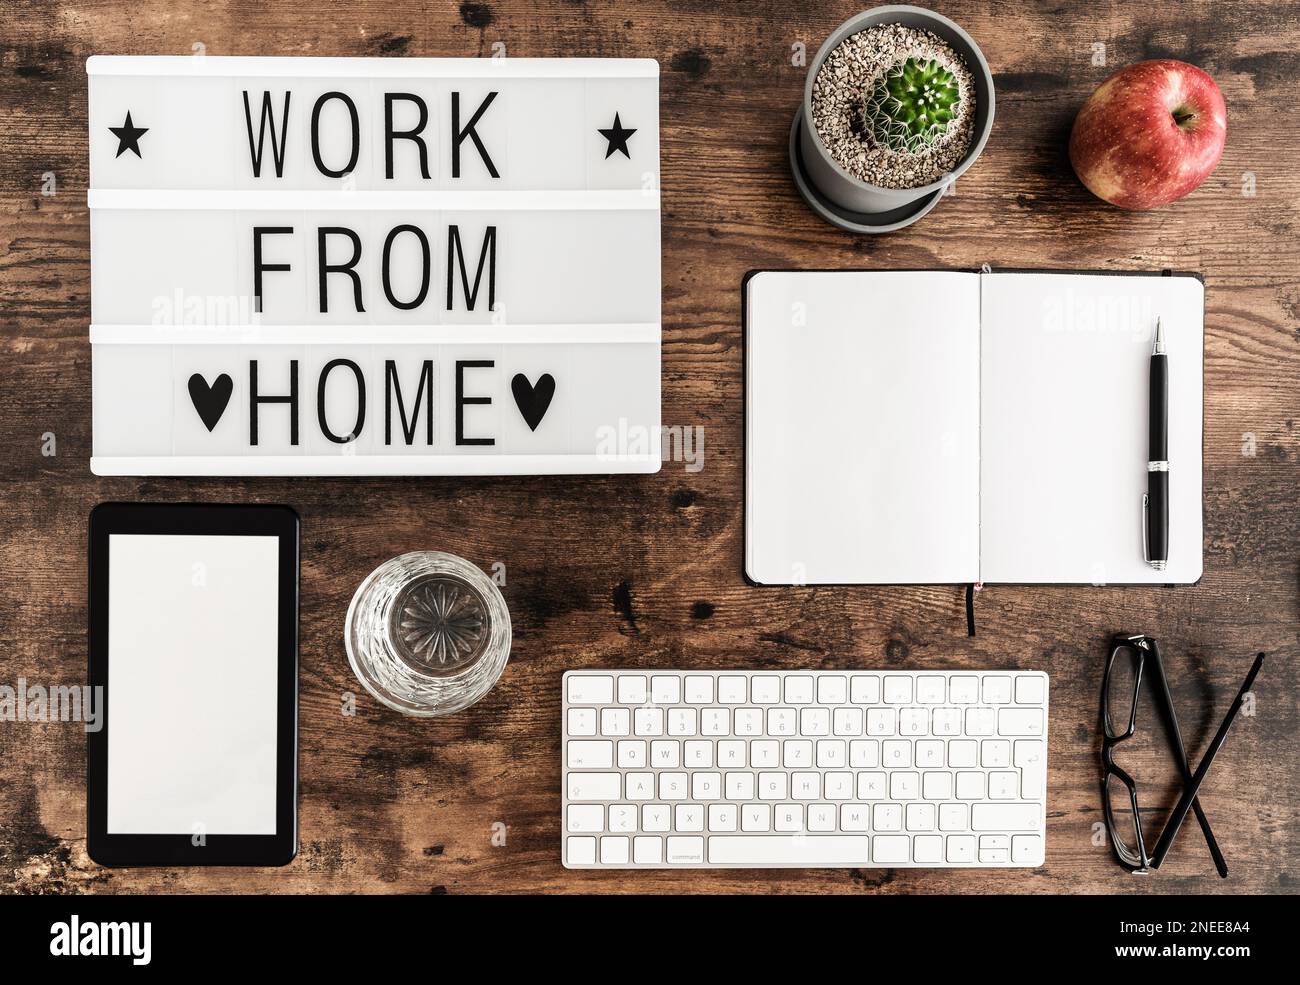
[1190,789]
[1180,756]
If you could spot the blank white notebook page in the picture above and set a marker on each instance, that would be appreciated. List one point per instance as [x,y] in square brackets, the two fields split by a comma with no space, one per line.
[1064,412]
[862,427]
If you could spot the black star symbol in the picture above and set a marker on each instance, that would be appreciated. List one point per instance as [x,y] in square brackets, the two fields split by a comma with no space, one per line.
[128,136]
[617,136]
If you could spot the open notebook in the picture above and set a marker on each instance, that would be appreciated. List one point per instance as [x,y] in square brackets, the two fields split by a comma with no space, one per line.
[950,427]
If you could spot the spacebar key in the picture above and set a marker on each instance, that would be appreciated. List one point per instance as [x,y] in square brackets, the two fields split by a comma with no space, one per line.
[791,850]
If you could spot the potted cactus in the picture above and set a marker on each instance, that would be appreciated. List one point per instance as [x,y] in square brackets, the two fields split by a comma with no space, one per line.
[898,102]
[911,106]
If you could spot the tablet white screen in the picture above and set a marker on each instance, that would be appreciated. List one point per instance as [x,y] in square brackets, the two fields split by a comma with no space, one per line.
[192,667]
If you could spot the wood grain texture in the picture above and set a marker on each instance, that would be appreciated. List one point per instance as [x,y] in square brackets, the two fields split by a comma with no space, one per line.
[646,571]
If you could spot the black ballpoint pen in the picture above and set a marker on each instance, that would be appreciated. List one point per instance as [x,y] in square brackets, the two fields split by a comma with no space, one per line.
[1156,502]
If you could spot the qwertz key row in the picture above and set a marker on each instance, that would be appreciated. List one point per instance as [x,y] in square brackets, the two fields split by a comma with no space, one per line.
[754,769]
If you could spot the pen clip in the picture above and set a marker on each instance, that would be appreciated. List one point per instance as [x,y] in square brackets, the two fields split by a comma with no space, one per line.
[1146,513]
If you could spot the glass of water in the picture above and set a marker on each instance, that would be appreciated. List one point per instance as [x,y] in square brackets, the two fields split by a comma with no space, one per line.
[428,633]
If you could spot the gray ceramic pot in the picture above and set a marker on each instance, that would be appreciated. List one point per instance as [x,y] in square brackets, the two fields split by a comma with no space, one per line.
[852,194]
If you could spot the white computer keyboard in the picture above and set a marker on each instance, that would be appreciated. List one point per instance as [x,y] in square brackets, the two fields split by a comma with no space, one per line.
[762,769]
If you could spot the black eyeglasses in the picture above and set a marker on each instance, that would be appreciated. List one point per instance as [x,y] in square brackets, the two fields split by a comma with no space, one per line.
[1121,686]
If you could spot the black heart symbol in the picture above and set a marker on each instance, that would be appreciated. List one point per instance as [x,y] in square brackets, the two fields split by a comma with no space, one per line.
[210,401]
[532,401]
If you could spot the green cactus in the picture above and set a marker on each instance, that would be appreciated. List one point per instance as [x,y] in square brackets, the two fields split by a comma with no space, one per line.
[911,106]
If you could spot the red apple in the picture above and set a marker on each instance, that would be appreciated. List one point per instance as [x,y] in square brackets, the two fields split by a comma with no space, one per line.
[1150,134]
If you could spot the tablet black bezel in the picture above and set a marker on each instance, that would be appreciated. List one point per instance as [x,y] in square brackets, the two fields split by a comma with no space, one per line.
[177,849]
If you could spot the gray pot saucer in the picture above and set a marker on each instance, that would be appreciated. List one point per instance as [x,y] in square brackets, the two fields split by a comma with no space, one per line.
[854,222]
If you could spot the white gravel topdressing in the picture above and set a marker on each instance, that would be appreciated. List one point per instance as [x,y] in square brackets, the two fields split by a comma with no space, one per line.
[847,75]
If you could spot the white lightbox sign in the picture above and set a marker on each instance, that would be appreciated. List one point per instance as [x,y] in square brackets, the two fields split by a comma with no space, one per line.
[339,266]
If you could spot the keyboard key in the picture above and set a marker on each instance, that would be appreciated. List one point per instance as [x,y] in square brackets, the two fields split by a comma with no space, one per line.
[838,786]
[882,721]
[788,817]
[756,817]
[864,689]
[648,721]
[639,786]
[656,817]
[953,817]
[796,753]
[723,817]
[1027,849]
[683,721]
[963,689]
[927,849]
[887,817]
[997,690]
[699,690]
[732,753]
[1020,721]
[891,849]
[732,690]
[586,817]
[864,753]
[936,786]
[821,817]
[622,818]
[673,786]
[715,721]
[685,851]
[970,786]
[961,848]
[798,689]
[582,721]
[1004,785]
[749,721]
[790,850]
[595,786]
[848,721]
[914,721]
[665,754]
[613,851]
[688,817]
[832,690]
[896,753]
[615,721]
[631,754]
[1030,757]
[587,689]
[773,786]
[706,786]
[647,850]
[739,786]
[871,786]
[782,721]
[698,754]
[1031,689]
[931,690]
[1005,817]
[904,785]
[946,721]
[981,721]
[963,753]
[920,817]
[995,753]
[665,690]
[632,689]
[592,754]
[806,786]
[765,753]
[814,721]
[898,690]
[831,753]
[855,817]
[580,851]
[929,752]
[765,689]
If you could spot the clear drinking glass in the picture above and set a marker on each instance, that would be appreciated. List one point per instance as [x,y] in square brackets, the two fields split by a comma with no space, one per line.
[428,633]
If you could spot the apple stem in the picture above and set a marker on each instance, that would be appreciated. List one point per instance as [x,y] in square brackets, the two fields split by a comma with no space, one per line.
[1182,115]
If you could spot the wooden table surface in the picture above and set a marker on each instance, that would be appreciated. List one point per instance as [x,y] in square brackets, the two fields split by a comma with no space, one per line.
[645,571]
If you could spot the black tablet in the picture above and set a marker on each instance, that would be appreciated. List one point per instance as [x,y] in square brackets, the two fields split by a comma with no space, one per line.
[194,643]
